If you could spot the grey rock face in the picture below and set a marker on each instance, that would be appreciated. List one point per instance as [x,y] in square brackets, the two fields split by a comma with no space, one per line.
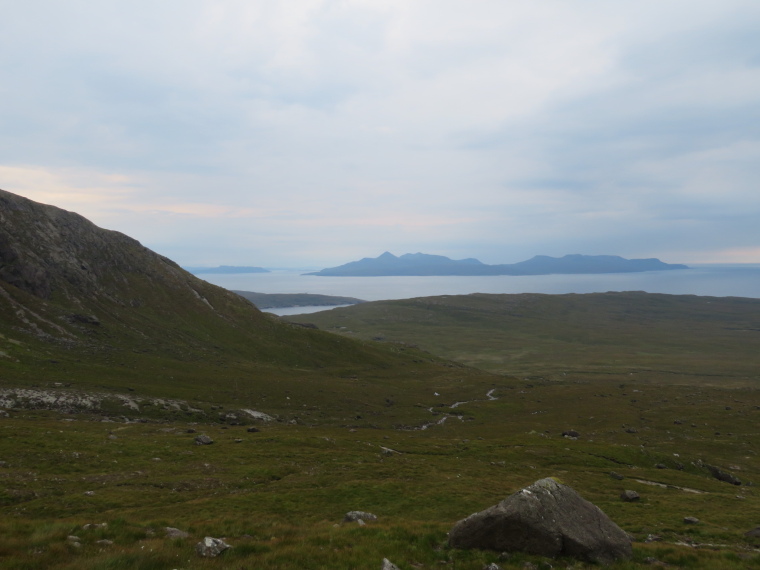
[203,440]
[355,516]
[211,547]
[724,476]
[548,519]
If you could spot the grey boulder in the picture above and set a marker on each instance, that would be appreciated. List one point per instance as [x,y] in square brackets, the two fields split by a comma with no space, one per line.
[546,518]
[211,547]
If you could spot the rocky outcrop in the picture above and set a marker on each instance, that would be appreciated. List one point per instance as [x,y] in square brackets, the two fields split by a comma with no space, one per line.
[548,519]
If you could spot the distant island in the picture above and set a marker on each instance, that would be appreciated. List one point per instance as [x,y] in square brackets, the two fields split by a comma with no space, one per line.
[282,300]
[225,269]
[422,264]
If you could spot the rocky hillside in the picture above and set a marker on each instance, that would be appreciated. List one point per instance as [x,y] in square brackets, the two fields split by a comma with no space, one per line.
[93,309]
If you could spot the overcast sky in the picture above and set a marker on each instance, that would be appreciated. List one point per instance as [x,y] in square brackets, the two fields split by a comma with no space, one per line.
[309,133]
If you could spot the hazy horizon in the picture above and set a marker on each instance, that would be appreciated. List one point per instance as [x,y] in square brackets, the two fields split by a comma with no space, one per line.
[318,132]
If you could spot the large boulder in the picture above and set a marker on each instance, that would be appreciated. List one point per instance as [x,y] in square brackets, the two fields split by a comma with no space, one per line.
[548,519]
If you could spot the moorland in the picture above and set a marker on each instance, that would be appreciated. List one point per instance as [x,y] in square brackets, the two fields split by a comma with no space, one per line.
[113,360]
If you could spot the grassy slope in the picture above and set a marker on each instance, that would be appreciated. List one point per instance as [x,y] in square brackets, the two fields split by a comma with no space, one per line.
[654,337]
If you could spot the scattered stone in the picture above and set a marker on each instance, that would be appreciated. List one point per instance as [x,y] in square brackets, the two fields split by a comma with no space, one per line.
[677,422]
[571,433]
[95,526]
[112,436]
[754,533]
[104,542]
[253,430]
[388,451]
[492,566]
[72,538]
[355,516]
[547,518]
[691,520]
[661,466]
[3,464]
[388,565]
[617,476]
[631,430]
[238,441]
[89,493]
[653,538]
[190,430]
[203,440]
[629,496]
[4,414]
[172,532]
[211,547]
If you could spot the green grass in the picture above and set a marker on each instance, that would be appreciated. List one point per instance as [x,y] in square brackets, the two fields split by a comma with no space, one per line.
[646,380]
[621,337]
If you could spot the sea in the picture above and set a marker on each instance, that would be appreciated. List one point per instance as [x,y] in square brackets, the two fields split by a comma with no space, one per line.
[713,280]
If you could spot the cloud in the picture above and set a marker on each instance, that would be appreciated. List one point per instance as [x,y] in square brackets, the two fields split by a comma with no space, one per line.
[316,131]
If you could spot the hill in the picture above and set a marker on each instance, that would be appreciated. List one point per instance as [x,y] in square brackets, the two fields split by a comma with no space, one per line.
[85,308]
[618,336]
[421,264]
[114,362]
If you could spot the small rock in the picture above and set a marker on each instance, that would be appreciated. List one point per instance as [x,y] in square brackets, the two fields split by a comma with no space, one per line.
[617,476]
[360,522]
[94,526]
[253,430]
[89,493]
[211,547]
[629,496]
[172,532]
[388,565]
[653,538]
[72,538]
[691,520]
[354,516]
[492,566]
[104,542]
[631,430]
[3,464]
[754,533]
[190,430]
[203,440]
[571,433]
[661,466]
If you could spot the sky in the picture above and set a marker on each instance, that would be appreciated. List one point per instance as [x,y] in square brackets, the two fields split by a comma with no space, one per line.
[310,133]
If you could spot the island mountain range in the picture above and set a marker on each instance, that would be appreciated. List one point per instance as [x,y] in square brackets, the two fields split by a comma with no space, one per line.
[421,264]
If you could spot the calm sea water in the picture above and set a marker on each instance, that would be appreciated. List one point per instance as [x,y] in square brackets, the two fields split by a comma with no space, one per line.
[706,280]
